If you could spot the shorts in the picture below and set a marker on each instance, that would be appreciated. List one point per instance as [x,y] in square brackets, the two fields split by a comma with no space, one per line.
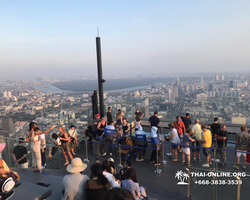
[206,152]
[197,144]
[174,146]
[186,150]
[66,147]
[238,154]
[181,137]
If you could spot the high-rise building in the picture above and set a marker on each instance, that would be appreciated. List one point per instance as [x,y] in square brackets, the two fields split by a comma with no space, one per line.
[5,94]
[171,96]
[217,78]
[7,124]
[231,84]
[191,88]
[176,91]
[201,82]
[9,94]
[222,78]
[211,87]
[177,81]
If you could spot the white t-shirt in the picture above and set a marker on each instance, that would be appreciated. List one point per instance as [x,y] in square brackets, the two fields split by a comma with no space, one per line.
[73,133]
[43,140]
[74,186]
[111,179]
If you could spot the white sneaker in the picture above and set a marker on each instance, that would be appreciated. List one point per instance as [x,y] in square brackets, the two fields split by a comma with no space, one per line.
[137,159]
[141,160]
[205,165]
[104,154]
[42,167]
[210,163]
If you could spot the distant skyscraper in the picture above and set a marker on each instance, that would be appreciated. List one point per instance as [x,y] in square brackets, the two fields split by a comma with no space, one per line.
[177,81]
[231,84]
[211,87]
[171,96]
[5,94]
[176,91]
[9,94]
[222,78]
[7,124]
[217,78]
[201,82]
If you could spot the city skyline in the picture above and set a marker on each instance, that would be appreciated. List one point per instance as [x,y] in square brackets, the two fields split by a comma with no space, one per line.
[58,38]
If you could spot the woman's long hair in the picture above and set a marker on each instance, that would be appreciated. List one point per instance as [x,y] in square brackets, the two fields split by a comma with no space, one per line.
[97,171]
[31,125]
[106,166]
[132,175]
[63,129]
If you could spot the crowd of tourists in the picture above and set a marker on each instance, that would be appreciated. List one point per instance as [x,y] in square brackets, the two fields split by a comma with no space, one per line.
[103,182]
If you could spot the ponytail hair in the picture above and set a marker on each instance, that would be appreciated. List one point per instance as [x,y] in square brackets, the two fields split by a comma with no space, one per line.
[96,171]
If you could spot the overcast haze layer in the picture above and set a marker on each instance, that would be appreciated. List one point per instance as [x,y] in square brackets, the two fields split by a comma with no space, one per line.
[57,38]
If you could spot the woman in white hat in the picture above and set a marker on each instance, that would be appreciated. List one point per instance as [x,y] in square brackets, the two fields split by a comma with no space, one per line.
[74,183]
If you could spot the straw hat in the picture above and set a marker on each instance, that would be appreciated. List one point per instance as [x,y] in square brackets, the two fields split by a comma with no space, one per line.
[2,146]
[76,166]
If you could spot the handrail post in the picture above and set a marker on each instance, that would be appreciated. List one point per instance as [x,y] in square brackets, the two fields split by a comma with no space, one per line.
[189,184]
[238,188]
[130,129]
[163,158]
[59,162]
[158,171]
[86,145]
[215,152]
[120,156]
[8,148]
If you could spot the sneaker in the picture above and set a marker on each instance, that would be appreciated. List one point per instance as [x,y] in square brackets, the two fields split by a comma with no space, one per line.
[137,159]
[104,154]
[189,165]
[236,167]
[205,165]
[141,160]
[244,166]
[42,167]
[193,158]
[7,195]
[183,163]
[210,163]
[199,159]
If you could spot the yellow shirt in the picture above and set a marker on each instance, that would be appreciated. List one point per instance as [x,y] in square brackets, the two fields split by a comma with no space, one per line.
[207,136]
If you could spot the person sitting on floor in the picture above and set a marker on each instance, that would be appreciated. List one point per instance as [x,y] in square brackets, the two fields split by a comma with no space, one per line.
[74,183]
[9,177]
[133,186]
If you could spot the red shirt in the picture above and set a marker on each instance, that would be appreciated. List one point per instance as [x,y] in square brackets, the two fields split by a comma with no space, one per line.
[179,127]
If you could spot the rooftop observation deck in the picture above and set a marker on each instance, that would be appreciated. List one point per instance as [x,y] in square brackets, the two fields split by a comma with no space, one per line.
[162,186]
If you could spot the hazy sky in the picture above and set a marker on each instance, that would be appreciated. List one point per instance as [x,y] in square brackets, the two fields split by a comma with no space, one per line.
[57,37]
